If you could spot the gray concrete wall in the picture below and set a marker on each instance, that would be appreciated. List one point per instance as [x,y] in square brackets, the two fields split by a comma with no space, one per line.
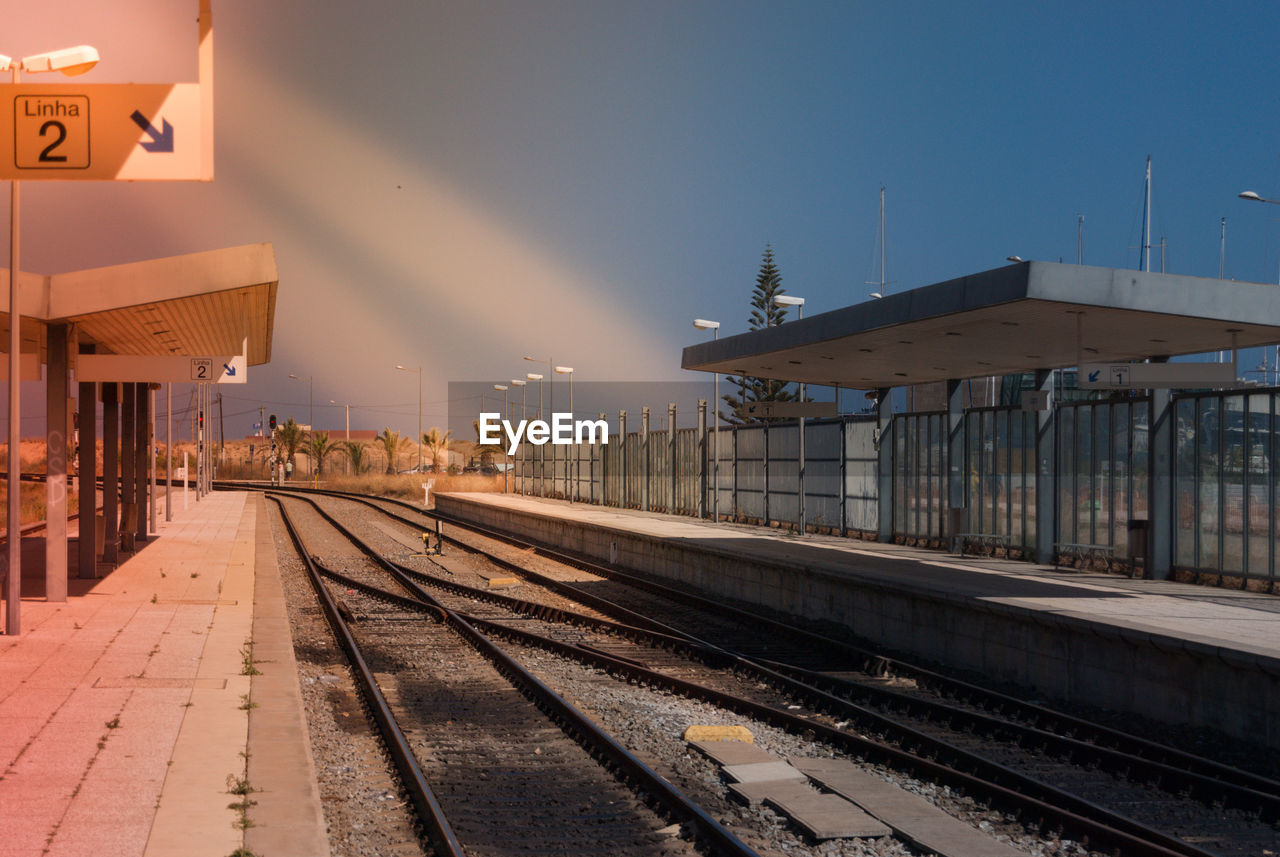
[1055,656]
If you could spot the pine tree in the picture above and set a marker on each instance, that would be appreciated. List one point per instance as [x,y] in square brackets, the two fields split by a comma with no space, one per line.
[763,314]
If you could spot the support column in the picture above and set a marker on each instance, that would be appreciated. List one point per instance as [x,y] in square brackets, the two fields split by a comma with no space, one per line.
[87,471]
[622,460]
[644,447]
[1160,482]
[128,461]
[671,454]
[884,462]
[110,472]
[57,387]
[142,449]
[1046,471]
[702,458]
[955,458]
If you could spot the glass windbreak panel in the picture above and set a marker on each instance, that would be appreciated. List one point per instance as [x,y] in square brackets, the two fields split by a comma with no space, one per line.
[973,445]
[1257,474]
[1233,459]
[901,475]
[1138,458]
[1030,431]
[937,439]
[986,472]
[1085,499]
[1102,476]
[1066,474]
[1121,470]
[1001,470]
[1208,481]
[1185,512]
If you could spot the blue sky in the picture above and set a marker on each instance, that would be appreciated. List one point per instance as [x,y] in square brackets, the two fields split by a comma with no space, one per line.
[459,184]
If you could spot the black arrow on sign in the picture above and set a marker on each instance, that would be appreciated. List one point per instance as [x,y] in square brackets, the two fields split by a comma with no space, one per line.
[161,141]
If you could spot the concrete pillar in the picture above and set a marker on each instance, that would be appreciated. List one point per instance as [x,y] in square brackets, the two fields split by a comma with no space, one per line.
[110,472]
[57,387]
[142,450]
[87,469]
[128,459]
[1046,472]
[1160,493]
[884,462]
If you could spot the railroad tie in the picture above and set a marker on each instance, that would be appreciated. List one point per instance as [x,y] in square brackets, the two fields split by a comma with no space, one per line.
[910,816]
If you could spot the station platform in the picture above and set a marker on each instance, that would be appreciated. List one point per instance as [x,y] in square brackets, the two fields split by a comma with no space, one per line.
[1174,652]
[129,714]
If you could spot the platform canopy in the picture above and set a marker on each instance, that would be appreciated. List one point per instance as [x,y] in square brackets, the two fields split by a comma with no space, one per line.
[1024,316]
[200,303]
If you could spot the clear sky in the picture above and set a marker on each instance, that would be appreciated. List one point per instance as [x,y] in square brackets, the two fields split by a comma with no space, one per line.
[458,184]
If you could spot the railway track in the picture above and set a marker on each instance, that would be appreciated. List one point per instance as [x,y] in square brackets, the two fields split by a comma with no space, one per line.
[654,660]
[494,762]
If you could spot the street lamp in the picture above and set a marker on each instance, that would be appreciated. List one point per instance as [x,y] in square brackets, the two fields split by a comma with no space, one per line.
[798,303]
[1253,196]
[714,327]
[524,415]
[502,388]
[551,386]
[568,370]
[542,475]
[1014,258]
[311,428]
[419,371]
[69,61]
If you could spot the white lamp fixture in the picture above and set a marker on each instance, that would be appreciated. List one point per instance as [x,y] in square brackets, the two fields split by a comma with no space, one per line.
[787,300]
[706,324]
[533,376]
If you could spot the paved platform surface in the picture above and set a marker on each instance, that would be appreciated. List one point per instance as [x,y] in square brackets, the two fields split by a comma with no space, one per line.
[125,712]
[1246,623]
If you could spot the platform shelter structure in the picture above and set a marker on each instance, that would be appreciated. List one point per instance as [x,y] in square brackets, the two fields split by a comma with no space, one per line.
[1187,472]
[219,303]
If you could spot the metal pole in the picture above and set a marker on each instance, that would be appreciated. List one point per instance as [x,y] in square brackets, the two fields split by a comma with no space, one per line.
[168,451]
[13,584]
[151,456]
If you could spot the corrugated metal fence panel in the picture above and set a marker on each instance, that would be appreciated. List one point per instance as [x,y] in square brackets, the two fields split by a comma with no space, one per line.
[749,442]
[822,443]
[689,471]
[861,482]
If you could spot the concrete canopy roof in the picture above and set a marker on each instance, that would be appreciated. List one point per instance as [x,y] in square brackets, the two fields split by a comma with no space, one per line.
[197,304]
[1015,318]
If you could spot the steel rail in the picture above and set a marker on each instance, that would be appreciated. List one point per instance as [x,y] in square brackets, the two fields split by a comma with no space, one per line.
[437,827]
[1030,797]
[595,740]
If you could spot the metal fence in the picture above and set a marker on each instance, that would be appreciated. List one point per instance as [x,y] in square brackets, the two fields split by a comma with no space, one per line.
[1226,508]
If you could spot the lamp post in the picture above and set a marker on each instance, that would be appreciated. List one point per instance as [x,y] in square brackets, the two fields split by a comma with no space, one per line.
[568,370]
[502,388]
[419,371]
[311,427]
[524,396]
[798,303]
[534,376]
[714,327]
[1254,197]
[69,61]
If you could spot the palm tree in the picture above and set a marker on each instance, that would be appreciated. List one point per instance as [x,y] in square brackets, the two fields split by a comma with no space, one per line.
[319,450]
[435,441]
[290,435]
[355,452]
[391,444]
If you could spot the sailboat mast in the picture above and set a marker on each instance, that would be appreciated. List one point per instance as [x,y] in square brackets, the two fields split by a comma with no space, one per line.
[1146,222]
[882,260]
